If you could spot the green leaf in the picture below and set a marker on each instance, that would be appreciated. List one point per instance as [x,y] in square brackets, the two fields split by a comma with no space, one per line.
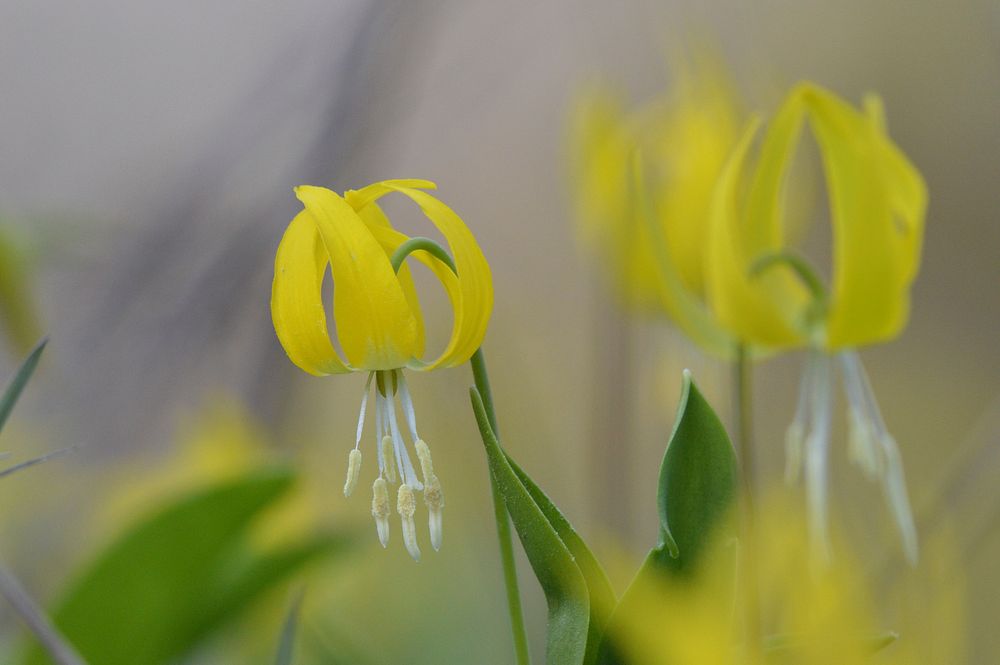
[13,391]
[695,499]
[564,586]
[602,595]
[286,646]
[698,479]
[173,579]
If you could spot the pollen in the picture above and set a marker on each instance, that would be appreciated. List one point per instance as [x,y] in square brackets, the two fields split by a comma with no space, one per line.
[380,510]
[388,459]
[406,506]
[353,471]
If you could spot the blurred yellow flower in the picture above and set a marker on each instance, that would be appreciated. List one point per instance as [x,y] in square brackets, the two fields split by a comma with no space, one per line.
[810,615]
[769,297]
[378,320]
[644,183]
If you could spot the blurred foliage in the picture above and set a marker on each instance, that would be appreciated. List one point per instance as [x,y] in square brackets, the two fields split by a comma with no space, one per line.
[18,316]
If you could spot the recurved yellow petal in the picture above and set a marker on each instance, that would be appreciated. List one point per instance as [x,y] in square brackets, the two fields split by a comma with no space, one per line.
[375,325]
[877,203]
[475,283]
[767,309]
[390,239]
[297,300]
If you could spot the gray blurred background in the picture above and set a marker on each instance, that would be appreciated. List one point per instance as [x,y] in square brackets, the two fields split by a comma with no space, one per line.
[147,156]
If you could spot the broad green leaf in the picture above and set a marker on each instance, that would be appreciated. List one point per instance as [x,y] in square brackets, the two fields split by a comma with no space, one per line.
[286,646]
[697,485]
[602,595]
[176,577]
[695,500]
[564,586]
[20,380]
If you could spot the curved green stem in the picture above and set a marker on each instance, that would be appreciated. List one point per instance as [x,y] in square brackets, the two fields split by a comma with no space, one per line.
[425,244]
[482,381]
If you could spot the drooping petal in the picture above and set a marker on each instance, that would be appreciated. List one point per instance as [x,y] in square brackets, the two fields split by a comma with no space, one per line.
[297,301]
[378,224]
[877,203]
[766,309]
[360,198]
[375,326]
[475,283]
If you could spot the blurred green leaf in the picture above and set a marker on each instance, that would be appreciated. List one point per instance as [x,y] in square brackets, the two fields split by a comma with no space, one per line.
[16,386]
[286,646]
[566,591]
[17,313]
[695,500]
[175,578]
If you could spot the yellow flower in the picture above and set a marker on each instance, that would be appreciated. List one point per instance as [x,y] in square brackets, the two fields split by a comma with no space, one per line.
[769,297]
[644,185]
[378,319]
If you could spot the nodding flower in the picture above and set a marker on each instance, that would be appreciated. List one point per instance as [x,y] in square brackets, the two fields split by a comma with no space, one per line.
[379,324]
[770,298]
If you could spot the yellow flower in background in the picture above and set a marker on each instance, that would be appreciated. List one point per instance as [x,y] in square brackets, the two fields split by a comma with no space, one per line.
[644,183]
[378,320]
[769,297]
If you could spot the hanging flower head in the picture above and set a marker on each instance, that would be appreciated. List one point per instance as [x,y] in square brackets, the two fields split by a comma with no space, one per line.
[378,320]
[771,298]
[644,182]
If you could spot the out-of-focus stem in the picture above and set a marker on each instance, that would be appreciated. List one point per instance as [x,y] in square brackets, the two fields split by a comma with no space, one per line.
[743,381]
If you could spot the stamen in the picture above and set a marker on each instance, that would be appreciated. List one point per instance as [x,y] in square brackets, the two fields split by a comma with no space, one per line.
[405,466]
[380,510]
[891,469]
[387,459]
[817,445]
[795,435]
[379,431]
[862,431]
[406,506]
[353,471]
[407,402]
[434,498]
[424,455]
[364,407]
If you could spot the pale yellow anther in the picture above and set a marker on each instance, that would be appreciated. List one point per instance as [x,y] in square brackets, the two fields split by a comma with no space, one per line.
[353,471]
[388,459]
[424,455]
[861,443]
[406,506]
[380,510]
[434,498]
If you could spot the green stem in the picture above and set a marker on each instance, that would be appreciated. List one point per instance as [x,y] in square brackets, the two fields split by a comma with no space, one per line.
[744,431]
[482,381]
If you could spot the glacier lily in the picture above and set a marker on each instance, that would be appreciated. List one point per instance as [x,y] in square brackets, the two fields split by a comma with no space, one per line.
[379,324]
[770,298]
[645,181]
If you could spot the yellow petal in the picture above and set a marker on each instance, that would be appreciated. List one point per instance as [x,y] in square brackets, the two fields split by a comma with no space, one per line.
[877,202]
[360,198]
[764,310]
[475,283]
[375,326]
[377,222]
[297,300]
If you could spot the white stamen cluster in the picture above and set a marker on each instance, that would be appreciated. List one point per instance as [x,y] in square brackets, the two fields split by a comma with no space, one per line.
[394,464]
[870,445]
